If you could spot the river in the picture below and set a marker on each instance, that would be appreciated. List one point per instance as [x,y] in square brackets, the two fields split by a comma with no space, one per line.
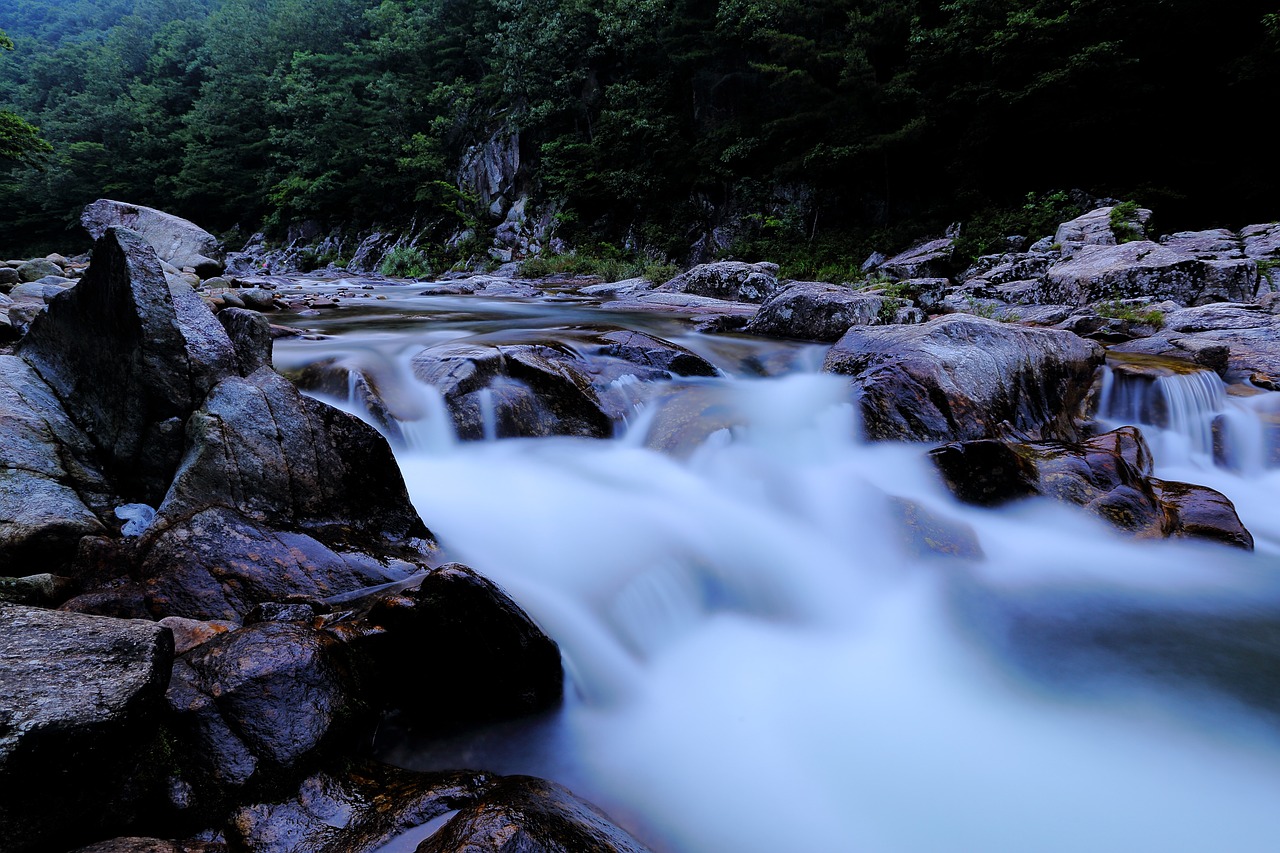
[757,662]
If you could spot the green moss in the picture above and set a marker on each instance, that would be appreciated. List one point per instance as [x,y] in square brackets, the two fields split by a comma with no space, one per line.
[1117,310]
[1123,224]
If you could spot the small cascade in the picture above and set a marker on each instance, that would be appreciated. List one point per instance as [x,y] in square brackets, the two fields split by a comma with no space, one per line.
[1187,415]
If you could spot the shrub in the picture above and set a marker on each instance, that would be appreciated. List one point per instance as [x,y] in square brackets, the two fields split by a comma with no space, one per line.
[405,262]
[1122,222]
[1117,310]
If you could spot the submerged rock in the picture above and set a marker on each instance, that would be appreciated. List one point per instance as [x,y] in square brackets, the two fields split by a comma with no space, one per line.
[960,378]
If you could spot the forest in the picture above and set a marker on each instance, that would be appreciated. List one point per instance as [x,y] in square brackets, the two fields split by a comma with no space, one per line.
[811,131]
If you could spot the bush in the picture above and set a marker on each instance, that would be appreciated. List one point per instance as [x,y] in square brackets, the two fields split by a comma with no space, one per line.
[405,262]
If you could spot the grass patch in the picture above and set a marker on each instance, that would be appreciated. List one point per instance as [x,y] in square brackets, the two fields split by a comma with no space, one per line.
[1117,310]
[615,268]
[1124,222]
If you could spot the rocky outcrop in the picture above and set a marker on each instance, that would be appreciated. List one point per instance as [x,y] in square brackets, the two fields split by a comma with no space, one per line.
[175,240]
[79,697]
[819,312]
[962,378]
[1096,228]
[1109,475]
[932,259]
[1148,270]
[129,357]
[732,281]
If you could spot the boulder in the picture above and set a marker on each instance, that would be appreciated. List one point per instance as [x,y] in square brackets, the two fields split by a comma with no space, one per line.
[815,311]
[1261,241]
[1213,245]
[959,377]
[38,269]
[257,702]
[523,813]
[732,281]
[502,391]
[1237,341]
[130,357]
[1094,228]
[42,590]
[51,490]
[1108,475]
[79,699]
[487,659]
[177,241]
[357,810]
[932,259]
[9,276]
[278,494]
[1147,270]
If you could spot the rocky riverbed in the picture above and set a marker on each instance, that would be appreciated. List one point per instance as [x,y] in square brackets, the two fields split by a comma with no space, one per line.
[215,583]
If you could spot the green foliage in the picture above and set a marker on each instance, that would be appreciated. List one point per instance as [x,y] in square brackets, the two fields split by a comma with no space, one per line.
[20,140]
[1118,310]
[1123,218]
[607,263]
[406,262]
[1039,215]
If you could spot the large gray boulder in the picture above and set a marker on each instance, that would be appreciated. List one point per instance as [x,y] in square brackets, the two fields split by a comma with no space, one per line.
[931,259]
[1147,270]
[1095,228]
[176,240]
[816,311]
[961,377]
[51,490]
[79,698]
[129,357]
[732,281]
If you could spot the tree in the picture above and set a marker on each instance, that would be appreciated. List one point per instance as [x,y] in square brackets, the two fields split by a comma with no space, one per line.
[20,140]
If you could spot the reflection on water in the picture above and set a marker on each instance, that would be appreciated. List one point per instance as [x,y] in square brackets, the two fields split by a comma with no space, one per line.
[758,664]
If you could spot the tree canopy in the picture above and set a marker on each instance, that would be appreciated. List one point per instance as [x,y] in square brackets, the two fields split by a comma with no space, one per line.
[646,123]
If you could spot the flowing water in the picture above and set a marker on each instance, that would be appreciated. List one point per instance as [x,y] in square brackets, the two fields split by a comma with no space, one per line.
[758,660]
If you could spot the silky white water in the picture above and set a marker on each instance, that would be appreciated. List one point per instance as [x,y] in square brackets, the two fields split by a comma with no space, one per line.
[757,664]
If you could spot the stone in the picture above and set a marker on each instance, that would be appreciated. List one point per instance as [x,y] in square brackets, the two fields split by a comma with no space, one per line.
[130,357]
[1094,228]
[487,659]
[38,269]
[732,281]
[923,533]
[816,311]
[79,699]
[1147,270]
[357,810]
[8,276]
[250,336]
[1214,244]
[523,813]
[1109,475]
[36,291]
[135,844]
[959,377]
[43,590]
[932,259]
[1261,241]
[50,485]
[176,241]
[526,390]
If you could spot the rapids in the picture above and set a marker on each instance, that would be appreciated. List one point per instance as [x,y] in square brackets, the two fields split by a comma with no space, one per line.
[756,663]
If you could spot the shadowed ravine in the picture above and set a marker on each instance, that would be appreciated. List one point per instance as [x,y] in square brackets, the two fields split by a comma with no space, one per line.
[760,655]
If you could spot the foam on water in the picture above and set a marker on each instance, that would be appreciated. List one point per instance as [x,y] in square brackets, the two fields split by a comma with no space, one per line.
[757,664]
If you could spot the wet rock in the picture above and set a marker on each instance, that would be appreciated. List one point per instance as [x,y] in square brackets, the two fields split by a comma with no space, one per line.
[684,303]
[1108,475]
[262,699]
[645,350]
[816,311]
[250,335]
[524,813]
[129,358]
[175,240]
[525,390]
[79,696]
[484,657]
[356,811]
[1235,340]
[1148,270]
[961,377]
[732,281]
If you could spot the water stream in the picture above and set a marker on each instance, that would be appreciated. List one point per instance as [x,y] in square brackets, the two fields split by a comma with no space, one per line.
[758,662]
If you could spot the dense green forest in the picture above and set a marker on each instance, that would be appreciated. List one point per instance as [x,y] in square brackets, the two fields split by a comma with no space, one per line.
[813,129]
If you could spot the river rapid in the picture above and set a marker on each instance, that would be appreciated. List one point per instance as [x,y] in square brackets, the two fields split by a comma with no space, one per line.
[756,659]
